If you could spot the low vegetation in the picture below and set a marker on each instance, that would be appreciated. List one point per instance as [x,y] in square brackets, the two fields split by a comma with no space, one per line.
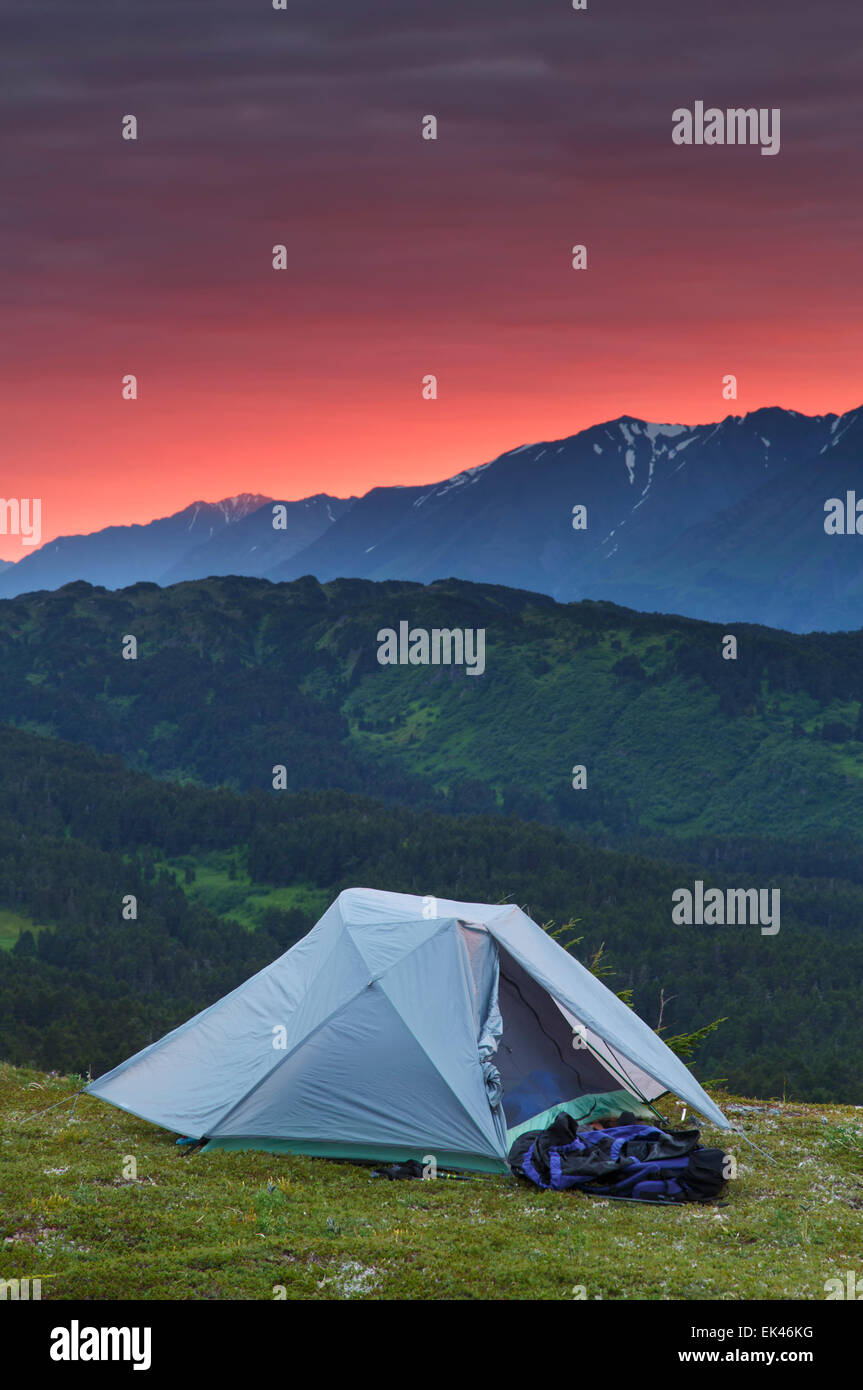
[97,1205]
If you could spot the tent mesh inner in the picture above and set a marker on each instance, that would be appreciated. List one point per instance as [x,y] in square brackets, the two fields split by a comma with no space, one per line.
[537,1062]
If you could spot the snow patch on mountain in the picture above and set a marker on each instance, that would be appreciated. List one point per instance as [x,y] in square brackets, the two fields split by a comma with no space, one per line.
[235,508]
[465,478]
[840,426]
[670,431]
[684,444]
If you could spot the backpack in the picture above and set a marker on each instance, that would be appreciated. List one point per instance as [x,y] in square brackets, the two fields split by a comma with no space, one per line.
[636,1161]
[697,1177]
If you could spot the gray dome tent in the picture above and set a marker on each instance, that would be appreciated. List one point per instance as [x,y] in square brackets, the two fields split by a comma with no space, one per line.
[403,1027]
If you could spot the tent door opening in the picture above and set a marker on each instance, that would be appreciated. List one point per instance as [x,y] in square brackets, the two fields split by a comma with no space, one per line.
[543,1062]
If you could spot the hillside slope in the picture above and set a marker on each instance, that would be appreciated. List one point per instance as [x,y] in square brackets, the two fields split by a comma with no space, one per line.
[258,1226]
[224,883]
[236,676]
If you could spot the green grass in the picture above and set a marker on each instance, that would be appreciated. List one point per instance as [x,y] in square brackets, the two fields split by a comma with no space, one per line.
[239,897]
[11,926]
[247,1225]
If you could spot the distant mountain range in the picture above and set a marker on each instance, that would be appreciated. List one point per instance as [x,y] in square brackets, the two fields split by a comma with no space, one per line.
[235,536]
[722,522]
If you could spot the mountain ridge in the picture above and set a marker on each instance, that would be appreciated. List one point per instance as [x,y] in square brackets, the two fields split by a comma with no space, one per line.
[688,519]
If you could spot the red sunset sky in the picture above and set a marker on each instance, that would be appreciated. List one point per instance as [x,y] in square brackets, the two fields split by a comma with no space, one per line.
[406,257]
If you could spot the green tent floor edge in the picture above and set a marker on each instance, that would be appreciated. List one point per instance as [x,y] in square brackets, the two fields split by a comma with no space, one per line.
[379,1153]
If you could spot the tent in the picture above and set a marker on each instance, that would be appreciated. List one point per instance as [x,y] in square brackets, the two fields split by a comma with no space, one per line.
[404,1027]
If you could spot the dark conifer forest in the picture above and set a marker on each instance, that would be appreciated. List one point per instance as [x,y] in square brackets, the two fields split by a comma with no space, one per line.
[151,781]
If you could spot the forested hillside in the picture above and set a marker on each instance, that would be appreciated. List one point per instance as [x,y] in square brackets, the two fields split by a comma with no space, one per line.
[224,881]
[235,676]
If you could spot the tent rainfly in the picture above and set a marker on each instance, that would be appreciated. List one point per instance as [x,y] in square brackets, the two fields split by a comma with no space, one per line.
[404,1027]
